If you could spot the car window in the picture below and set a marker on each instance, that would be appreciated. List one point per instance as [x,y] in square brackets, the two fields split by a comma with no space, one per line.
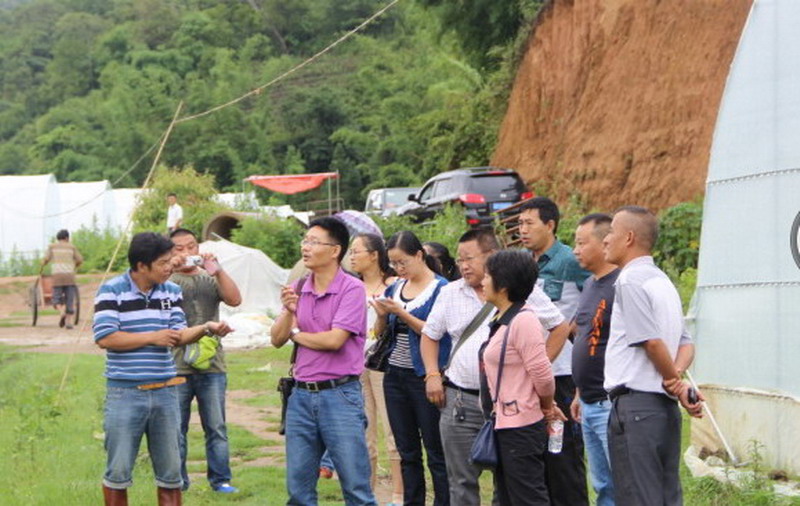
[496,186]
[444,187]
[374,201]
[426,192]
[396,197]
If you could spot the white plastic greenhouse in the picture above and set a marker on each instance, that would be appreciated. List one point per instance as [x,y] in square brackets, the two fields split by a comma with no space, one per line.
[29,213]
[87,205]
[747,304]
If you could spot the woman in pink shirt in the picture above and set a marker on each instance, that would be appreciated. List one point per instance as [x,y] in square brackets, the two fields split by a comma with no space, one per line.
[525,400]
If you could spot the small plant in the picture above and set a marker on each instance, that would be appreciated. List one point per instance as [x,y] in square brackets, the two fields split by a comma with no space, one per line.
[97,246]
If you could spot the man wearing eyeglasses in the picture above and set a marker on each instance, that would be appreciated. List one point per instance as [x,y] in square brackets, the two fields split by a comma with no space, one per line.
[457,392]
[325,316]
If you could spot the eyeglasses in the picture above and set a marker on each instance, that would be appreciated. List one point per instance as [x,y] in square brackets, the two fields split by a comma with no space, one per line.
[400,264]
[313,243]
[357,251]
[467,260]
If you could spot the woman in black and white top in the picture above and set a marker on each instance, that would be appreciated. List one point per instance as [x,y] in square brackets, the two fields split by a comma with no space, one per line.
[404,309]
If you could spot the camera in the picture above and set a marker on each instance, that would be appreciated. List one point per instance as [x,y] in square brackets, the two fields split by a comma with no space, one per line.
[194,261]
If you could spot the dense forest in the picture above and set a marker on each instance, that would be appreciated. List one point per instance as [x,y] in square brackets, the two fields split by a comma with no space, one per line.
[88,86]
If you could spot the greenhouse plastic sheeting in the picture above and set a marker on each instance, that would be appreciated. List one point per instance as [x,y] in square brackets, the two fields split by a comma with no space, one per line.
[88,205]
[29,214]
[747,304]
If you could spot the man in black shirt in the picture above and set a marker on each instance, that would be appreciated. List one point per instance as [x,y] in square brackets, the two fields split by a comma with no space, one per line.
[591,406]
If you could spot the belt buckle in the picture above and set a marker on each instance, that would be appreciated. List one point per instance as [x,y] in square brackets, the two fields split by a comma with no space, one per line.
[312,386]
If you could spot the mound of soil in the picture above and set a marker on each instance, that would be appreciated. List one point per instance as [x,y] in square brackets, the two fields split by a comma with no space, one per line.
[617,99]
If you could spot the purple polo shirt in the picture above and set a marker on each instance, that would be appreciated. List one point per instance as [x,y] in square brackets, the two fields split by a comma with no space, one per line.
[342,306]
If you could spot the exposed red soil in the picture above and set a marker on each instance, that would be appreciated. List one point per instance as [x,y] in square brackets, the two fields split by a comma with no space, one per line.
[617,100]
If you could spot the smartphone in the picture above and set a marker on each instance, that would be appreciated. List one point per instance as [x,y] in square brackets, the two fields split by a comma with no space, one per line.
[211,266]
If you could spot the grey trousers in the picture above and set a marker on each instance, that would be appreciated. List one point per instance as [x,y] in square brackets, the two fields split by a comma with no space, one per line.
[457,437]
[644,440]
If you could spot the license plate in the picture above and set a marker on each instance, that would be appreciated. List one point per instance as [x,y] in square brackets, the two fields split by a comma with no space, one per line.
[499,206]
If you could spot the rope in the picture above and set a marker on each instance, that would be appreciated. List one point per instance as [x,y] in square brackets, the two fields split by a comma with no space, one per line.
[175,121]
[122,236]
[258,90]
[113,184]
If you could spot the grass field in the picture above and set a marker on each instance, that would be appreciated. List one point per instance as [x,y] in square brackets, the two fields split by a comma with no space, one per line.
[51,448]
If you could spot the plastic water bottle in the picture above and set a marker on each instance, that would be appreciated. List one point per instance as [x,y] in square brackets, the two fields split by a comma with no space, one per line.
[555,436]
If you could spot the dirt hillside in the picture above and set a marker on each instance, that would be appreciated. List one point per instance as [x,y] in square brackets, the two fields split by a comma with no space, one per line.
[617,99]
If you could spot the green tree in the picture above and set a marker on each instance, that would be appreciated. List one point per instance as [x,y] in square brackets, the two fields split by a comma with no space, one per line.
[195,195]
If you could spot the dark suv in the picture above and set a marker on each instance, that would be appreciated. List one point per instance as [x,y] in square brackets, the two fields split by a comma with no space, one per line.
[481,190]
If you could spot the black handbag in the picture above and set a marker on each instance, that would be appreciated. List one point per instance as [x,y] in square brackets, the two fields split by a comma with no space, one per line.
[286,383]
[377,356]
[484,452]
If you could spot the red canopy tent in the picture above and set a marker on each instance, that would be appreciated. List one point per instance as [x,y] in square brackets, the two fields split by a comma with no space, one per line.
[297,183]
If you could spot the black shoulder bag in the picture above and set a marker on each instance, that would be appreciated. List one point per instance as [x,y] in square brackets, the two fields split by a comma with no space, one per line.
[286,383]
[377,355]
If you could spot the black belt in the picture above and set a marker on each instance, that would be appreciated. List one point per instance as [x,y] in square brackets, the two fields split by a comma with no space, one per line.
[623,390]
[470,391]
[316,386]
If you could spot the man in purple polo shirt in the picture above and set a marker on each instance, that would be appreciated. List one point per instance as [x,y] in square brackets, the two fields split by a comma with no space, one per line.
[326,318]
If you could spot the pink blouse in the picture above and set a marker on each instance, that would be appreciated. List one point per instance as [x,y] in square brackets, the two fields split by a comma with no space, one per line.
[527,373]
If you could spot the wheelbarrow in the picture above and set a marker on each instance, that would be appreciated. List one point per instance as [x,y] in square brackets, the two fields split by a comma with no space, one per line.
[41,294]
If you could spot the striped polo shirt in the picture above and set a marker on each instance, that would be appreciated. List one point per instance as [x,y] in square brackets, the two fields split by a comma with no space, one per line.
[120,306]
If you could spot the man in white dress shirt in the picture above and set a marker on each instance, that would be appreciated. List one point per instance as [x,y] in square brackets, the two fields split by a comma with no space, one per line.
[456,392]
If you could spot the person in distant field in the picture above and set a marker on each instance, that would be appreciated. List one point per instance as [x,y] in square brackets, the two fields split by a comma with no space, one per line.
[591,406]
[203,287]
[562,279]
[66,259]
[174,213]
[138,319]
[648,349]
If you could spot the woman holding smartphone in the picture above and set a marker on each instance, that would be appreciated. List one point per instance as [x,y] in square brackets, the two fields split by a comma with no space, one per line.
[406,307]
[524,403]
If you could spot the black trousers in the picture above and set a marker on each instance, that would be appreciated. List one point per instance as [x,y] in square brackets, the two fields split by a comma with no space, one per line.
[412,418]
[566,471]
[644,442]
[519,479]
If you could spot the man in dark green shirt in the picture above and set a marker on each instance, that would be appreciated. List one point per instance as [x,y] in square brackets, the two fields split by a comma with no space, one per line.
[204,287]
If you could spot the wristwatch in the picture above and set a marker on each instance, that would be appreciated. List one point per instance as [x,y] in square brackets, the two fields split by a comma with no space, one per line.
[208,331]
[294,332]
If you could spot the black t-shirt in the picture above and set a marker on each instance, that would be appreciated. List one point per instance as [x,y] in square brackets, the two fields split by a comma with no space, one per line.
[593,319]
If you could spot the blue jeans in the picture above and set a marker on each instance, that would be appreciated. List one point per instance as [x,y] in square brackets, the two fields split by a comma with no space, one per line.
[594,422]
[209,389]
[327,461]
[412,416]
[332,419]
[131,413]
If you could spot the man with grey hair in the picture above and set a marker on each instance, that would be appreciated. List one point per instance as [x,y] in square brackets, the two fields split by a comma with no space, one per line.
[643,367]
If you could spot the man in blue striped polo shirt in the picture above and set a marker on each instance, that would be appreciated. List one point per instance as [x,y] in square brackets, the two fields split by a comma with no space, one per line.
[138,320]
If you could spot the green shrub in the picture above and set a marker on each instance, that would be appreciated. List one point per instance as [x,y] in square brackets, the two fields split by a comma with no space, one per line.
[97,246]
[17,264]
[679,241]
[279,238]
[445,228]
[195,194]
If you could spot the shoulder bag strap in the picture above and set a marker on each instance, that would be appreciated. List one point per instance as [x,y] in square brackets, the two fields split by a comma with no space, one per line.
[503,360]
[471,328]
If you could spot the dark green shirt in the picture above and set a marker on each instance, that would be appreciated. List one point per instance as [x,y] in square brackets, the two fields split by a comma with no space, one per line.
[201,300]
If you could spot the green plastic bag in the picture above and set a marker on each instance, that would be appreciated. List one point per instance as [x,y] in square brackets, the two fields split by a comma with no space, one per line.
[199,354]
